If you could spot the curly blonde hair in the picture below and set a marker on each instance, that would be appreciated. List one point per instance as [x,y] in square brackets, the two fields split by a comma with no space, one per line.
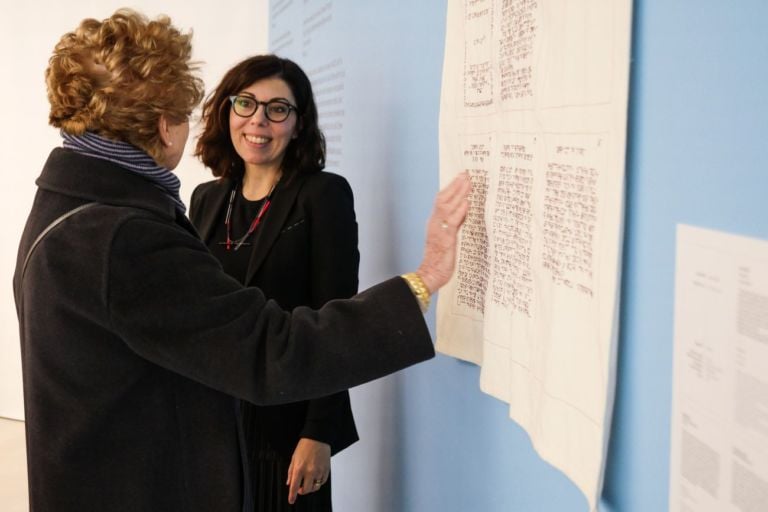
[117,76]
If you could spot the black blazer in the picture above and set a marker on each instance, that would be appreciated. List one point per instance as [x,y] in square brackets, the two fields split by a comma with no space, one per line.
[303,254]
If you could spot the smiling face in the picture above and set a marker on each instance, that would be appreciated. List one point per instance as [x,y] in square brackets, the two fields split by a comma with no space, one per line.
[262,143]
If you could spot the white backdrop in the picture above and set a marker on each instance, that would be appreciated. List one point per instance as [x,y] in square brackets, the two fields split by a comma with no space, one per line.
[225,31]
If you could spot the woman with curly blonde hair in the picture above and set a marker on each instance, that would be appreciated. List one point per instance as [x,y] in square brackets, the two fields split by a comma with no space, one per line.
[126,79]
[136,345]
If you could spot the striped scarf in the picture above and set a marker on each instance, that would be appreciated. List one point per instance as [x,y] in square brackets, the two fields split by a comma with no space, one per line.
[129,157]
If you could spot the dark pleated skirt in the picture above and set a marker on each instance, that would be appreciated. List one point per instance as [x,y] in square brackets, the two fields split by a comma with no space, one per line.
[269,472]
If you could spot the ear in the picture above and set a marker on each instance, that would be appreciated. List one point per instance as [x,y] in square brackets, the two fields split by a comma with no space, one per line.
[163,129]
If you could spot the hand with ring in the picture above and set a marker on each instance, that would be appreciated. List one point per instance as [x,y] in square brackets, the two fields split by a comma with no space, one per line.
[448,214]
[309,469]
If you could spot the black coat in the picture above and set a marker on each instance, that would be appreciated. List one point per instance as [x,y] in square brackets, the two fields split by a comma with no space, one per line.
[304,253]
[134,341]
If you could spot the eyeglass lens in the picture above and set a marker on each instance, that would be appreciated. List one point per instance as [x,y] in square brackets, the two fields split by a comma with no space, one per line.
[275,110]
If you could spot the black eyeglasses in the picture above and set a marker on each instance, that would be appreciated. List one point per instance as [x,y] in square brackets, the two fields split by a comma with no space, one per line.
[276,111]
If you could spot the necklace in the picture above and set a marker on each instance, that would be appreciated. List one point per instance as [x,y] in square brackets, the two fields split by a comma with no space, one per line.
[254,223]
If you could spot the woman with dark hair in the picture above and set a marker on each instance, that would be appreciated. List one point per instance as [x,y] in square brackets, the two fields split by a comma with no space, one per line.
[277,221]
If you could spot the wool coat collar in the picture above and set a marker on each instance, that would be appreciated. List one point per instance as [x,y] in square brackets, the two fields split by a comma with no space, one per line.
[93,179]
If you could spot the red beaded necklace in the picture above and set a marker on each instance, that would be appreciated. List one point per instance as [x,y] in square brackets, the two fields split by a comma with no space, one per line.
[254,223]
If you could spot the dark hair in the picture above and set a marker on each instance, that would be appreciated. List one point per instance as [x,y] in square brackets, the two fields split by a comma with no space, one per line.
[304,154]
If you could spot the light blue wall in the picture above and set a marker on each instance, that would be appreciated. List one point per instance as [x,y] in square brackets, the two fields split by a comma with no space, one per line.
[696,154]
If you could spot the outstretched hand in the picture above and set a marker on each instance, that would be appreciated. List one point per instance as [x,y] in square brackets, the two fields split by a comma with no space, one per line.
[448,214]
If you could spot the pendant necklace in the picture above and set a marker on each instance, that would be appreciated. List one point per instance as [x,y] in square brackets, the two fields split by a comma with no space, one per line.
[236,244]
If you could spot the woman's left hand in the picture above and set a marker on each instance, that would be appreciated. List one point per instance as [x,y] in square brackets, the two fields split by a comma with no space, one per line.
[309,469]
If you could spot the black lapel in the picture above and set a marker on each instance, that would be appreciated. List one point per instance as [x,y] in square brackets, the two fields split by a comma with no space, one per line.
[274,222]
[214,209]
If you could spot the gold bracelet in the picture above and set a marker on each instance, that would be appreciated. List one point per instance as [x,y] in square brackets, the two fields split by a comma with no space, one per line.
[418,288]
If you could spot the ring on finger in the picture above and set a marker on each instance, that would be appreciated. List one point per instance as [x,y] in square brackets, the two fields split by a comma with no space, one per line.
[444,225]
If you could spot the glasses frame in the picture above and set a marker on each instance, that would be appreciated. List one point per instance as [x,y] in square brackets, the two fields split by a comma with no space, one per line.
[284,103]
